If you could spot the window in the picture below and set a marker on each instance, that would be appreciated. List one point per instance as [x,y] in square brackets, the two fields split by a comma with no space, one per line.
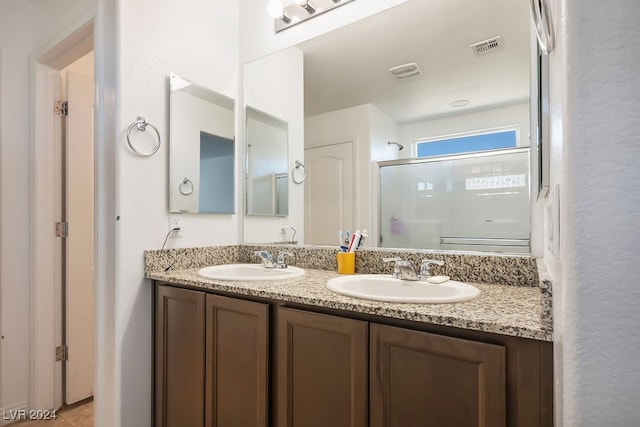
[468,143]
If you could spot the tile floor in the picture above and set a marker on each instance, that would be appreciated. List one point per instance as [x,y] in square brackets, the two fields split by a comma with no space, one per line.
[78,415]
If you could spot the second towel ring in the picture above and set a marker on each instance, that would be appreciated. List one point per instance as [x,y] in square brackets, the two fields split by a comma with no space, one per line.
[186,186]
[298,173]
[141,125]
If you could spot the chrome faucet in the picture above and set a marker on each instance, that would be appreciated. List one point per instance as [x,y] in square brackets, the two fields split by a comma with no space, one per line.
[282,259]
[425,267]
[267,259]
[403,269]
[268,262]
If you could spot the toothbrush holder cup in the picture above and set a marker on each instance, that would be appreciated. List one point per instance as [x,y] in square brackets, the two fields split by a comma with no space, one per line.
[346,262]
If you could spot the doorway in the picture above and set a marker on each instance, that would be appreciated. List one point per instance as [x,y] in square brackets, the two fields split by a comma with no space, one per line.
[63,243]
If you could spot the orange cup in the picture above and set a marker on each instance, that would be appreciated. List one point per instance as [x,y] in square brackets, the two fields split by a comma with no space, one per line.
[346,262]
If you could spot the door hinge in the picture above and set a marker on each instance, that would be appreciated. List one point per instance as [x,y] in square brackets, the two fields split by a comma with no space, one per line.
[62,229]
[62,108]
[62,353]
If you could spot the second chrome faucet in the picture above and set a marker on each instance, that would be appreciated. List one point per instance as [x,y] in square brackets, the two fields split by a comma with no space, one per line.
[269,262]
[404,269]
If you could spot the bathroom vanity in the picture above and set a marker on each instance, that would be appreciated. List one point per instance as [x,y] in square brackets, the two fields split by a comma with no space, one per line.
[292,353]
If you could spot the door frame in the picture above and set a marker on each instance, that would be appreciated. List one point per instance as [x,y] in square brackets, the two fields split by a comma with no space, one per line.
[45,385]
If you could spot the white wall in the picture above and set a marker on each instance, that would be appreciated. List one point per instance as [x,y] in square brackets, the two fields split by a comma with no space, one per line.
[198,41]
[382,130]
[595,151]
[474,121]
[50,18]
[15,46]
[283,98]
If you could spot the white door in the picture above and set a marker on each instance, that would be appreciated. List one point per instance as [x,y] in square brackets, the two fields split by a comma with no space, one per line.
[79,284]
[328,193]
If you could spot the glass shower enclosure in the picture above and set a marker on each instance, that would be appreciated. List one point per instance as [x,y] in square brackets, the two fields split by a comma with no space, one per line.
[467,202]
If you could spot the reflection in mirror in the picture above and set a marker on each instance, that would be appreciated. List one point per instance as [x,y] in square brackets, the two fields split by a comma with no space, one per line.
[267,183]
[470,75]
[460,202]
[201,149]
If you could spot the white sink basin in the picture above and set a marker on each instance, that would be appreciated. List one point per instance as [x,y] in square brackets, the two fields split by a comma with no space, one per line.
[379,287]
[246,272]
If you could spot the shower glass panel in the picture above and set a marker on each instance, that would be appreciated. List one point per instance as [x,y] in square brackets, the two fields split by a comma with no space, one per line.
[470,202]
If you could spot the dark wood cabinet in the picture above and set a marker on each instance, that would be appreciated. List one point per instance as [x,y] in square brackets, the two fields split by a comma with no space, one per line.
[236,363]
[220,384]
[179,357]
[423,379]
[322,366]
[224,361]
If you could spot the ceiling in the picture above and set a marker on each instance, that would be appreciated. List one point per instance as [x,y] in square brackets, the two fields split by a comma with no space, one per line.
[349,66]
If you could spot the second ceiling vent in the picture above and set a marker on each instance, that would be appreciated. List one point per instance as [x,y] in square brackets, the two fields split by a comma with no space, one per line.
[486,46]
[406,70]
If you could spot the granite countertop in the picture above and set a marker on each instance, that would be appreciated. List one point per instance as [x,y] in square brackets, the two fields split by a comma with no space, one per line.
[508,310]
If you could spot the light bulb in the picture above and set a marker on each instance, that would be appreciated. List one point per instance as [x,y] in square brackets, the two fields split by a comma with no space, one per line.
[274,8]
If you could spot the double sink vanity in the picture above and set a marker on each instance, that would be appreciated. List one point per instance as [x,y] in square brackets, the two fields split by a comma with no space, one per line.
[237,343]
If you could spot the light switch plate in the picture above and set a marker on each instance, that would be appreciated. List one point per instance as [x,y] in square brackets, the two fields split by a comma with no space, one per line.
[552,220]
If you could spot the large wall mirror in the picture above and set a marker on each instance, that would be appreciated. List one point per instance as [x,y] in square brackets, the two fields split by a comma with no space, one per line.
[377,90]
[267,180]
[201,149]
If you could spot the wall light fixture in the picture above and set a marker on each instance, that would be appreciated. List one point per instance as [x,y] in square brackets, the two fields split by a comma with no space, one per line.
[306,5]
[276,11]
[287,13]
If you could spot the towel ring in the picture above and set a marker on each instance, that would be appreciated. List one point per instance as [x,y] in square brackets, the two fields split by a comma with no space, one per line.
[298,172]
[186,186]
[544,25]
[141,124]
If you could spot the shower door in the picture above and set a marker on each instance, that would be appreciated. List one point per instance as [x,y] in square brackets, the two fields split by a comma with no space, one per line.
[476,202]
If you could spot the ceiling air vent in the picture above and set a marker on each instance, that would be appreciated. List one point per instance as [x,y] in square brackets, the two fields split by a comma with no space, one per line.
[486,46]
[406,70]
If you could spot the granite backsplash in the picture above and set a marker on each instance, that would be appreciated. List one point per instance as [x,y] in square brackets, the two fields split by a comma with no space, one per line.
[513,270]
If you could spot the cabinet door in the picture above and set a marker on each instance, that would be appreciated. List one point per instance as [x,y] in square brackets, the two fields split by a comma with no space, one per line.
[422,379]
[237,362]
[179,348]
[322,370]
